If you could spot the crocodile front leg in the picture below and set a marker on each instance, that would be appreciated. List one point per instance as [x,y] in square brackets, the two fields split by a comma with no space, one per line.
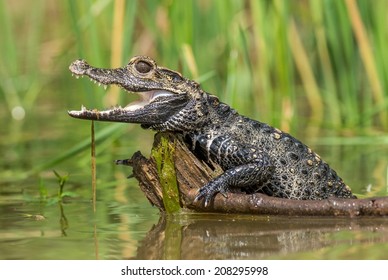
[240,176]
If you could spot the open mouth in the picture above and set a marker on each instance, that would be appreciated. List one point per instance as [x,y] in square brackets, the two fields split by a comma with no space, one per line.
[106,77]
[146,97]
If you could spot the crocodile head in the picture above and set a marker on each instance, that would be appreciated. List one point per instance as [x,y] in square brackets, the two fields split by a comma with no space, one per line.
[162,92]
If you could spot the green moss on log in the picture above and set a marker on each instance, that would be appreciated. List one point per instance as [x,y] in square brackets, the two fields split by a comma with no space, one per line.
[163,154]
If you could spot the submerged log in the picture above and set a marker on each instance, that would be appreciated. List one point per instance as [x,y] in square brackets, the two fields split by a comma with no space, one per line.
[191,174]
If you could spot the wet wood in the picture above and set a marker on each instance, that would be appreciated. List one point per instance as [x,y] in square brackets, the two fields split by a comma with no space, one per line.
[193,173]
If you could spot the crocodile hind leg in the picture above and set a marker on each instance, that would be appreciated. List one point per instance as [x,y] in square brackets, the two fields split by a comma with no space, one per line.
[237,177]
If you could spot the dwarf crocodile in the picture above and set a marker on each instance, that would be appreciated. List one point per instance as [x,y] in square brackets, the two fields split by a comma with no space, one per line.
[254,156]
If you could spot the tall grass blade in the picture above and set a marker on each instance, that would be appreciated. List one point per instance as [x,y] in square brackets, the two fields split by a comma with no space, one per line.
[367,56]
[307,75]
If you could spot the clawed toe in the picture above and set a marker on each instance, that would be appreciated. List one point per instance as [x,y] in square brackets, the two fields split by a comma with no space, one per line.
[208,192]
[205,194]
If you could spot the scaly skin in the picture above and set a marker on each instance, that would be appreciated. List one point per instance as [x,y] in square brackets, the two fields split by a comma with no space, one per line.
[255,157]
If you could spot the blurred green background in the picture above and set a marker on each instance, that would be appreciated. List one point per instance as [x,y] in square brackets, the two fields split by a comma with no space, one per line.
[315,68]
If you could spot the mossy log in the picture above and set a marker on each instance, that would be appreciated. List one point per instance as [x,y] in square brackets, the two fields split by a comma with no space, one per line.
[155,175]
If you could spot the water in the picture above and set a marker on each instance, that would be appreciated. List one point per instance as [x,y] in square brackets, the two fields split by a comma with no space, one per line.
[35,225]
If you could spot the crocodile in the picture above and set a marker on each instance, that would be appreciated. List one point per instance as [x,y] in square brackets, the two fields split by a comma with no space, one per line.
[254,156]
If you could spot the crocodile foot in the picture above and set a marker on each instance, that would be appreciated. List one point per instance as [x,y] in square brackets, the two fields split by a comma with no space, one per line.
[208,192]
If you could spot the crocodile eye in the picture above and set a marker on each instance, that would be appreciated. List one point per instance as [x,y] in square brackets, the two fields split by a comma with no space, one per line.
[143,67]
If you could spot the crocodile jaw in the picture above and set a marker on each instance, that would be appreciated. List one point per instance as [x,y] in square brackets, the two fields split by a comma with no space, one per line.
[105,77]
[116,113]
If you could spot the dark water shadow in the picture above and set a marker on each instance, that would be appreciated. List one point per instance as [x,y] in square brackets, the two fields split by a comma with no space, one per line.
[247,237]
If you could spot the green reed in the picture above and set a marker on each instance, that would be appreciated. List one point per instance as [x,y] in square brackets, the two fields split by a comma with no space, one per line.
[20,82]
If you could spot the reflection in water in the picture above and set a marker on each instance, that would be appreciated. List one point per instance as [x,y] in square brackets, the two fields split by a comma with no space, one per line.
[119,231]
[246,237]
